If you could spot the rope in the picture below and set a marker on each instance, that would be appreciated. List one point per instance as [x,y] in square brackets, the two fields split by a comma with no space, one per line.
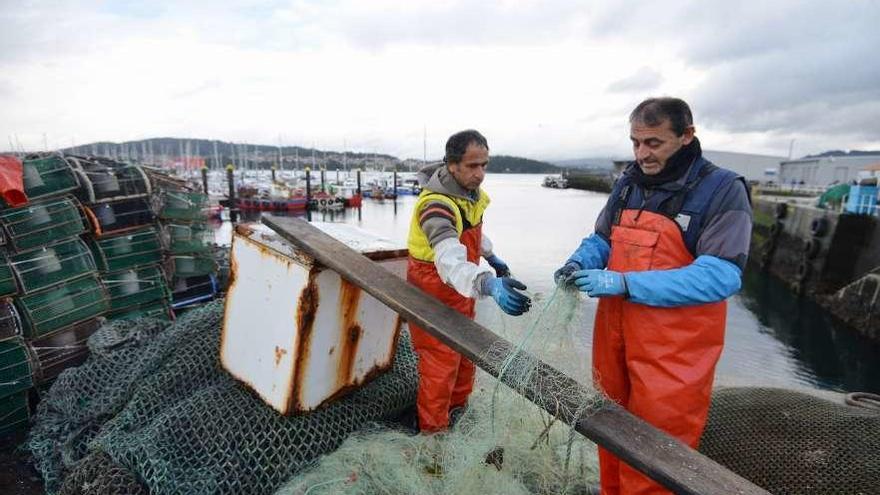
[864,400]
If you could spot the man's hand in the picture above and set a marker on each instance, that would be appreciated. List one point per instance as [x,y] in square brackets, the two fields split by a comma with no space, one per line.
[500,267]
[504,291]
[600,283]
[562,277]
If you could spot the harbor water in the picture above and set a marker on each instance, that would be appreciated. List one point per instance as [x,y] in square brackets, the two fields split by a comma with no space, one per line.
[773,337]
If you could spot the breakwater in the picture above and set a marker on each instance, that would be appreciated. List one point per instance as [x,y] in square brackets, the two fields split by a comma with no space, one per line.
[590,180]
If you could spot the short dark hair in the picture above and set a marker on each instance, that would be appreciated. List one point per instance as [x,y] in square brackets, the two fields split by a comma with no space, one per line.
[654,111]
[458,143]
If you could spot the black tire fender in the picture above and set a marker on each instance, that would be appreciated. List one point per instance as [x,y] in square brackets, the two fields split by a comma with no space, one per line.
[781,210]
[819,226]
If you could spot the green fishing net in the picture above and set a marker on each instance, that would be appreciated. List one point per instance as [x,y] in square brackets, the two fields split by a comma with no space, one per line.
[152,401]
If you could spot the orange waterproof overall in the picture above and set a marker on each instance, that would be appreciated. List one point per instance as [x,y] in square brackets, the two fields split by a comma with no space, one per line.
[658,363]
[446,378]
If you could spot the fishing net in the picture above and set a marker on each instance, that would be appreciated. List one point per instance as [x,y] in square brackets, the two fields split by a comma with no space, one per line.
[152,410]
[500,444]
[792,443]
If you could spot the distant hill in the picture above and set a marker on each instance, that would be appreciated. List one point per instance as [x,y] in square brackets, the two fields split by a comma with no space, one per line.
[205,147]
[518,165]
[162,151]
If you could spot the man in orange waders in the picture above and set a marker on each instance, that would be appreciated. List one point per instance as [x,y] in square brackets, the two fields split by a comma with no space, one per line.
[445,244]
[668,249]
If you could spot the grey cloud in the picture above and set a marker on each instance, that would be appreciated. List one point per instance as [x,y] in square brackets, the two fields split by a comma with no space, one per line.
[783,66]
[644,79]
[38,32]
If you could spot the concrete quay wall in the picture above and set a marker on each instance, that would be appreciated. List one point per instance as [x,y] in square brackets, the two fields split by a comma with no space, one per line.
[824,255]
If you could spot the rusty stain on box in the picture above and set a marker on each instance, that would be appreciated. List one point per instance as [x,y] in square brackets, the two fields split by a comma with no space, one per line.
[295,332]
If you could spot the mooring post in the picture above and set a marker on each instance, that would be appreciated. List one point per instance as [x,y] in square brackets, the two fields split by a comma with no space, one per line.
[205,179]
[309,193]
[233,205]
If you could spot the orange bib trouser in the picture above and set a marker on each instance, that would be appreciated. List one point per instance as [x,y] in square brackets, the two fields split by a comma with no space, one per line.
[658,363]
[446,378]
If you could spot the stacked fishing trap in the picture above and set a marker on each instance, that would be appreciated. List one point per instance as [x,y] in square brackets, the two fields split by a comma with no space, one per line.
[85,245]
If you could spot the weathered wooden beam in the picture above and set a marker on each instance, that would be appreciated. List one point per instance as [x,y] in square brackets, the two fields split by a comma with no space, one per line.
[656,454]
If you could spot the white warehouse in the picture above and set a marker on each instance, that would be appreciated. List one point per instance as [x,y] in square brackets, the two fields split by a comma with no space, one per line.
[825,170]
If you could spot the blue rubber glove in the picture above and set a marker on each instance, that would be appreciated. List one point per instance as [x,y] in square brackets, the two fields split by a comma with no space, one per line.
[503,290]
[500,267]
[562,277]
[600,283]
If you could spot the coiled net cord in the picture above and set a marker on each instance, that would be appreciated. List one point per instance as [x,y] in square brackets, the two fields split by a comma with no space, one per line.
[864,400]
[519,347]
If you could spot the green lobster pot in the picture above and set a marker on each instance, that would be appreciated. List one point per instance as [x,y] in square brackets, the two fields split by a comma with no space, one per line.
[48,176]
[185,206]
[62,349]
[14,413]
[51,265]
[15,367]
[42,223]
[116,217]
[58,307]
[120,252]
[10,322]
[192,266]
[187,239]
[158,310]
[107,180]
[7,279]
[136,286]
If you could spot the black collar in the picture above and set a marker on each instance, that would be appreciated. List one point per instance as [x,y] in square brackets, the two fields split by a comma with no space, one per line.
[676,167]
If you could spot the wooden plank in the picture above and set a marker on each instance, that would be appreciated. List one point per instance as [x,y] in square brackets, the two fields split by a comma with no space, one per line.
[656,454]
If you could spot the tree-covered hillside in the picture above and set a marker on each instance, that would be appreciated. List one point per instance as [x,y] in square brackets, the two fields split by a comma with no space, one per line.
[517,165]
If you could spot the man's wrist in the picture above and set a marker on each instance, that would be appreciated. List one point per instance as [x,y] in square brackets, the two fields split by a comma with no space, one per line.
[484,282]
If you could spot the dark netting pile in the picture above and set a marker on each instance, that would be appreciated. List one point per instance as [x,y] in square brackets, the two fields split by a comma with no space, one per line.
[151,410]
[792,443]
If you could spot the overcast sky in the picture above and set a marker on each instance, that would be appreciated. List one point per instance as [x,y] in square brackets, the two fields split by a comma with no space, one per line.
[545,79]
